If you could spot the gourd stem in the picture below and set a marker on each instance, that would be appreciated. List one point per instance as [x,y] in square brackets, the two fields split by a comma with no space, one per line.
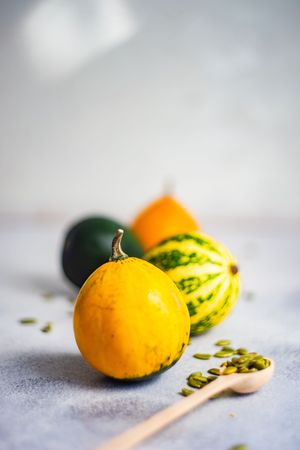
[117,252]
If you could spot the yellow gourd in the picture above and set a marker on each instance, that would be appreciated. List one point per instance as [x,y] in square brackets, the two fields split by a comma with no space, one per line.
[130,319]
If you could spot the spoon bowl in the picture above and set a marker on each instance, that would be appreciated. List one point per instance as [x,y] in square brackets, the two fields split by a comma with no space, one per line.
[252,382]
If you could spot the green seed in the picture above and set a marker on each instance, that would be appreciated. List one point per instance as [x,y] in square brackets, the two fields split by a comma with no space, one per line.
[228,349]
[229,370]
[203,379]
[267,362]
[218,395]
[253,369]
[242,360]
[28,321]
[186,392]
[259,364]
[242,351]
[243,370]
[195,375]
[223,354]
[239,447]
[200,378]
[202,355]
[194,383]
[47,328]
[214,371]
[211,378]
[48,295]
[223,342]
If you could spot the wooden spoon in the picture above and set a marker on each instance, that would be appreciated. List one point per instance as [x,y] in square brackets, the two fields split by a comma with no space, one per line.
[242,383]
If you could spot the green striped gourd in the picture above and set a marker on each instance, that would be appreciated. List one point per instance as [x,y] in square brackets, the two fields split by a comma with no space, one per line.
[205,272]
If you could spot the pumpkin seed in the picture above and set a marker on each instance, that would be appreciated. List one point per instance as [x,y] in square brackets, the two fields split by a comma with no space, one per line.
[47,328]
[223,354]
[214,371]
[202,355]
[242,351]
[239,447]
[228,349]
[194,383]
[229,370]
[28,321]
[242,360]
[243,370]
[267,362]
[194,375]
[200,378]
[260,364]
[48,295]
[186,392]
[223,342]
[211,378]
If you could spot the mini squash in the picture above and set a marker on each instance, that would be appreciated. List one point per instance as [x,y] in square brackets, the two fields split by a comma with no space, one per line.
[130,319]
[205,272]
[163,218]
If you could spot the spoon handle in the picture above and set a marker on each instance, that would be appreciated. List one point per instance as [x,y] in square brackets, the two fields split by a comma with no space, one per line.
[143,430]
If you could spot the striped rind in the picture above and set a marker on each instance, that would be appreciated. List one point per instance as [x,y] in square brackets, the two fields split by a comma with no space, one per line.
[200,267]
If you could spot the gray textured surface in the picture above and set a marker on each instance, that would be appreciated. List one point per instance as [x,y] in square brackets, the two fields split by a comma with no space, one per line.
[51,400]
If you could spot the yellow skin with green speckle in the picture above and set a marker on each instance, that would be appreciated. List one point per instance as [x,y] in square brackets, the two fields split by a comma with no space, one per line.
[205,272]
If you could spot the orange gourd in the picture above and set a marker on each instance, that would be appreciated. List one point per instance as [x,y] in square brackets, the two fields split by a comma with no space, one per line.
[163,218]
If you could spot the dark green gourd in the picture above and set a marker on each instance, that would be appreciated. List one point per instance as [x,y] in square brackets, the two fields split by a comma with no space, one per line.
[87,245]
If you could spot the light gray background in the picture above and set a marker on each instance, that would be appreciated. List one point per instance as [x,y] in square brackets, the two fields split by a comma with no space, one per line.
[103,100]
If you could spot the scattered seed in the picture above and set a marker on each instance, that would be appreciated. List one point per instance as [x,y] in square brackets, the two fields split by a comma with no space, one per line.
[48,295]
[47,328]
[28,321]
[192,382]
[186,392]
[202,355]
[242,360]
[194,375]
[216,396]
[223,342]
[249,295]
[214,371]
[212,378]
[224,354]
[232,414]
[242,351]
[239,447]
[228,349]
[189,343]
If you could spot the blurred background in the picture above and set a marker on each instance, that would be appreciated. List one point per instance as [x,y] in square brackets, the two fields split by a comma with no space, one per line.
[104,101]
